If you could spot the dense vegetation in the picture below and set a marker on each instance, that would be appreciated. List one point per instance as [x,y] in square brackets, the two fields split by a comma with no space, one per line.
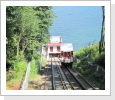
[35,78]
[27,28]
[35,66]
[91,54]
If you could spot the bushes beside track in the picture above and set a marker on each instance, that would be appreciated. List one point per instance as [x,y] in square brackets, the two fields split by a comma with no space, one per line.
[35,79]
[90,54]
[35,66]
[15,76]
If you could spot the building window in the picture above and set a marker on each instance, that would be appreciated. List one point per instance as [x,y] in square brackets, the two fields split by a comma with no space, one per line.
[51,49]
[58,49]
[68,54]
[64,54]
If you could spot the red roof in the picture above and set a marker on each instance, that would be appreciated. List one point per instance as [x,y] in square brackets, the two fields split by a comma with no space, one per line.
[54,44]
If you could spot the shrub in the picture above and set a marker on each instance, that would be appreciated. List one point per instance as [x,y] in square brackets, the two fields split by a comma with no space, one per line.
[100,60]
[44,62]
[20,69]
[91,54]
[15,78]
[34,69]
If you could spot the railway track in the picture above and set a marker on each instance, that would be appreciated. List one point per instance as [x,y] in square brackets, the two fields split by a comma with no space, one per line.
[63,78]
[84,84]
[73,83]
[59,81]
[52,78]
[81,80]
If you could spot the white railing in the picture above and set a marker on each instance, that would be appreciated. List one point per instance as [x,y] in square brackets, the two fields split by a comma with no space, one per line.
[25,82]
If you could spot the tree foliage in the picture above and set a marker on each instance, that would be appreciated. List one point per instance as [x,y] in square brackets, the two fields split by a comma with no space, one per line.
[102,41]
[27,28]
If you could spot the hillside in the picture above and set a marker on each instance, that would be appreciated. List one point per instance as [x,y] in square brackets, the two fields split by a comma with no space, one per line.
[87,60]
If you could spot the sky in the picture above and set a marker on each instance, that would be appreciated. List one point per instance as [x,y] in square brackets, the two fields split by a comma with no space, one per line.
[79,25]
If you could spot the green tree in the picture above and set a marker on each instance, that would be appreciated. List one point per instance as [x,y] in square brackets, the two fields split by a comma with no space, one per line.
[102,41]
[27,28]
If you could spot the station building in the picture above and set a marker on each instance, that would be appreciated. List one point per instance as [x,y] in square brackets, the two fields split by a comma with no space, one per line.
[52,48]
[55,48]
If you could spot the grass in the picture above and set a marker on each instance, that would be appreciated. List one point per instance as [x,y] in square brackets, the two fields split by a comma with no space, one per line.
[34,82]
[43,62]
[35,79]
[91,54]
[14,78]
[34,69]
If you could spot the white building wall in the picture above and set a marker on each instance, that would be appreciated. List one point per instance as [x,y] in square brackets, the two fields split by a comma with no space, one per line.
[55,39]
[54,49]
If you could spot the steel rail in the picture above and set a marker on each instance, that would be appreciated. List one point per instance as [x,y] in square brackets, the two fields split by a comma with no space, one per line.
[53,79]
[85,79]
[83,87]
[67,76]
[68,79]
[61,78]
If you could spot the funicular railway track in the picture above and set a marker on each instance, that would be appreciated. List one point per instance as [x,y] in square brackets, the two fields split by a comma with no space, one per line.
[59,77]
[83,83]
[81,80]
[74,85]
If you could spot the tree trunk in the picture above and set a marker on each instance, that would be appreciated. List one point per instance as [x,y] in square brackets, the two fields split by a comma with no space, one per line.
[102,32]
[18,44]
